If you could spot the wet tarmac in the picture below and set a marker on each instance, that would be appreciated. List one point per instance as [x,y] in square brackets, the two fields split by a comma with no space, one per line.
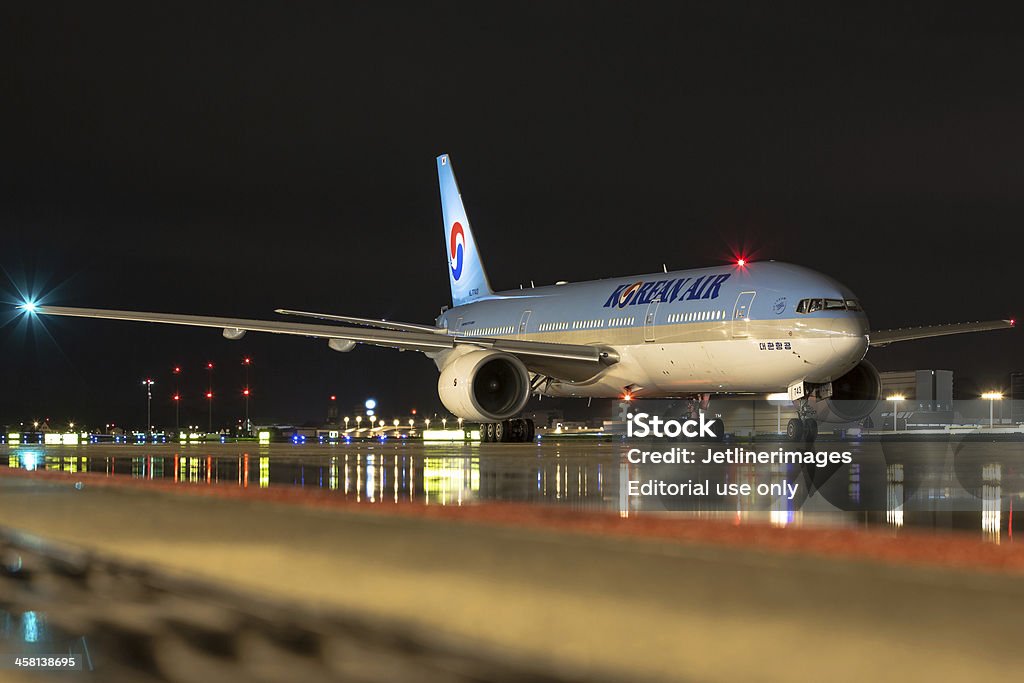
[404,561]
[969,486]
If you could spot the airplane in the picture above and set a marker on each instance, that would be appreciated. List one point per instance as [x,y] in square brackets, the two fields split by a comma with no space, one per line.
[741,328]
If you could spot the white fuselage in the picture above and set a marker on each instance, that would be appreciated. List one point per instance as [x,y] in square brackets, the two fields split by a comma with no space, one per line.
[744,334]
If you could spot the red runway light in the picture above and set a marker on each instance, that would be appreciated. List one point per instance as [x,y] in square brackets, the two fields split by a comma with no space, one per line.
[177,370]
[209,366]
[333,397]
[209,394]
[177,397]
[245,392]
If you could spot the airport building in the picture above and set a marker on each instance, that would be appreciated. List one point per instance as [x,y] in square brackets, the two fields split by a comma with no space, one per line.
[925,403]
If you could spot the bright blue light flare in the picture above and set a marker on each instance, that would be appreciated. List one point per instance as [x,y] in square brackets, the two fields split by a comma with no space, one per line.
[30,460]
[370,404]
[29,306]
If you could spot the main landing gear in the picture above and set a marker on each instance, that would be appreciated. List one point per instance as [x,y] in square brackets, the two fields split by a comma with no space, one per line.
[517,430]
[803,428]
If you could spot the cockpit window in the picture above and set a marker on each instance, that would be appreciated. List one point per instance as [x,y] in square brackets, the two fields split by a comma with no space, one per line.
[814,305]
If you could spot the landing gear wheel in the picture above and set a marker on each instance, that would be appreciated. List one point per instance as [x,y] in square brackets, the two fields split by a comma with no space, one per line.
[810,431]
[503,431]
[795,430]
[517,430]
[487,433]
[530,431]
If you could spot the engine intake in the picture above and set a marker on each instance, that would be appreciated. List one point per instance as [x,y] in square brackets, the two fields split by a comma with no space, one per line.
[487,386]
[854,395]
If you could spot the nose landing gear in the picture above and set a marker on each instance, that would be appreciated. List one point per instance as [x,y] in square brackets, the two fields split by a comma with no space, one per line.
[803,428]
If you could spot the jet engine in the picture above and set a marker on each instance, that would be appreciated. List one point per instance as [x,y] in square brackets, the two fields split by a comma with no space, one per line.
[486,386]
[854,395]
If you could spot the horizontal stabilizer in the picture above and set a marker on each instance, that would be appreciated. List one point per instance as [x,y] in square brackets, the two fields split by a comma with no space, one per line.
[884,337]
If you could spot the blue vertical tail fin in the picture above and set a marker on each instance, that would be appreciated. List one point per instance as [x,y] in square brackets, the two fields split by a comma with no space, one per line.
[465,269]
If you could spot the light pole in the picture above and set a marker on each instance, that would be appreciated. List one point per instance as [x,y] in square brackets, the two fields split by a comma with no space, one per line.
[209,397]
[209,422]
[444,423]
[346,423]
[177,401]
[247,362]
[896,398]
[359,422]
[177,414]
[992,397]
[245,392]
[148,383]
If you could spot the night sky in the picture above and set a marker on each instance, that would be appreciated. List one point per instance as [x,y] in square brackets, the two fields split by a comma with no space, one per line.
[234,158]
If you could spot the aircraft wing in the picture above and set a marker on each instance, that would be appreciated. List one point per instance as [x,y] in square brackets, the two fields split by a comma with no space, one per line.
[367,322]
[885,337]
[401,339]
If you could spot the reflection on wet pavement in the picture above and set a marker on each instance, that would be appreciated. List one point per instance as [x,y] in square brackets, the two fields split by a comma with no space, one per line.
[932,485]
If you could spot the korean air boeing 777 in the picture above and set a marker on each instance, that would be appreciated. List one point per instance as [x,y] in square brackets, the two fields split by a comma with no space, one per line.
[737,329]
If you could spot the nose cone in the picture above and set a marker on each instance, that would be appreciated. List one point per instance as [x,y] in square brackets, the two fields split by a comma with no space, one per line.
[850,337]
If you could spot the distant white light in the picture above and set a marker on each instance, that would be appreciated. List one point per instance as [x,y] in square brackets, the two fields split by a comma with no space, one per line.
[370,404]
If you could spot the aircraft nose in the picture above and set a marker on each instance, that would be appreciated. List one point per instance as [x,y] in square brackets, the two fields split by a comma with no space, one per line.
[850,337]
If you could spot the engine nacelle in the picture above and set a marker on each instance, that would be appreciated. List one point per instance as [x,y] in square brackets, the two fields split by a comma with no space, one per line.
[341,345]
[854,395]
[233,333]
[487,386]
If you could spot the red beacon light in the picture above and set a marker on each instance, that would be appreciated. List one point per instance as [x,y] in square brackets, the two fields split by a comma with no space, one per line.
[741,262]
[209,394]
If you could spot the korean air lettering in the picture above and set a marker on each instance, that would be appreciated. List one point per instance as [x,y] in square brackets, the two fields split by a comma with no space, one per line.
[666,291]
